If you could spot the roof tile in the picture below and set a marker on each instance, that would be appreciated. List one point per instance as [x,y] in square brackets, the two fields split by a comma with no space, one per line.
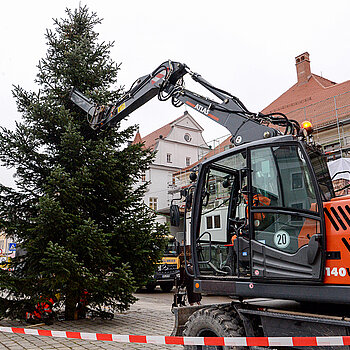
[316,89]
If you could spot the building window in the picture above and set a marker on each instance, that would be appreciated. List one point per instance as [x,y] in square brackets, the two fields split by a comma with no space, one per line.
[213,222]
[143,177]
[168,158]
[332,151]
[187,137]
[297,181]
[209,223]
[217,223]
[153,203]
[188,161]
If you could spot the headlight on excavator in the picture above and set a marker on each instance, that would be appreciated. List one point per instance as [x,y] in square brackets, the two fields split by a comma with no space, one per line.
[306,128]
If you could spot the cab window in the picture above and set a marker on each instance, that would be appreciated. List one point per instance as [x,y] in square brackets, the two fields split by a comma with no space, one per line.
[281,179]
[281,175]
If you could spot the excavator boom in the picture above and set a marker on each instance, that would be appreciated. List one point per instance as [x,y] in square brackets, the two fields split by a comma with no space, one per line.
[166,82]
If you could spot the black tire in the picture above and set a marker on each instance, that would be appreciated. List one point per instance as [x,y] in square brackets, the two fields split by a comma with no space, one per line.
[213,322]
[166,286]
[150,287]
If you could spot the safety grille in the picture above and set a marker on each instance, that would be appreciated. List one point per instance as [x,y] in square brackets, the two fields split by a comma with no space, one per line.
[340,218]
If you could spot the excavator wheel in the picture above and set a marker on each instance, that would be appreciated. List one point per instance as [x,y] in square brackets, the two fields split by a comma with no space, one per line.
[150,287]
[213,322]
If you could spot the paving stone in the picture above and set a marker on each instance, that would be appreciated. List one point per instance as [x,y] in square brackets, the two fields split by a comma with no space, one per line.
[149,316]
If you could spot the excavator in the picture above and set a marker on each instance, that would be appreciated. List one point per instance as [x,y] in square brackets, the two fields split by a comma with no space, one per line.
[266,227]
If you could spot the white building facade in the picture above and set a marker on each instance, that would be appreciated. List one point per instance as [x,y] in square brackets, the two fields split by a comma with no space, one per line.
[177,145]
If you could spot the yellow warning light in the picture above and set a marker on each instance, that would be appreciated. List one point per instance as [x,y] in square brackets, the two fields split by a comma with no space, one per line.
[197,285]
[307,128]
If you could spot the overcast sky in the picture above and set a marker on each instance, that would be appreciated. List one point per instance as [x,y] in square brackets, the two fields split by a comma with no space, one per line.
[245,47]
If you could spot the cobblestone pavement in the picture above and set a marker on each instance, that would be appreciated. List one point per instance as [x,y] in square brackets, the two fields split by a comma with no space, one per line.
[150,315]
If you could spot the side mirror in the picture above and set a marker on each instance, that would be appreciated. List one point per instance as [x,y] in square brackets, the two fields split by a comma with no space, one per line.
[174,215]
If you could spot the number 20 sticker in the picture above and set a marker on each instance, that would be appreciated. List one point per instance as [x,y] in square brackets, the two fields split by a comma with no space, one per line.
[281,239]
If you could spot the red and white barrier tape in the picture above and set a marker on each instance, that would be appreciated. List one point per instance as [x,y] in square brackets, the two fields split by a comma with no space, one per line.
[169,340]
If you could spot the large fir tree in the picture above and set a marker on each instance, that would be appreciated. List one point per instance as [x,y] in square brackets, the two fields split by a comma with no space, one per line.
[76,212]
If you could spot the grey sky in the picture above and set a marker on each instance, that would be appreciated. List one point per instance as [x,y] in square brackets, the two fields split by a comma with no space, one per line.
[245,47]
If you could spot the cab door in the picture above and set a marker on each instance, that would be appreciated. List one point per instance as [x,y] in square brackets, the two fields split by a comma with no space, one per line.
[218,215]
[285,222]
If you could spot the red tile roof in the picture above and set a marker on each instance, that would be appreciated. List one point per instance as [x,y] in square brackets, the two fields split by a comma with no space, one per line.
[150,140]
[137,138]
[310,92]
[304,93]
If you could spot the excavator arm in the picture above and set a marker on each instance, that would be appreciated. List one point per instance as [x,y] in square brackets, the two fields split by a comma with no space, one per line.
[166,82]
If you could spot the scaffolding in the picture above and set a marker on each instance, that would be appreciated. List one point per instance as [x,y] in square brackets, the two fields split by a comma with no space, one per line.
[216,146]
[331,114]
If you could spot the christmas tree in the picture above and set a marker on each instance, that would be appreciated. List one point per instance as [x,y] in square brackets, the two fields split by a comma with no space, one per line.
[77,211]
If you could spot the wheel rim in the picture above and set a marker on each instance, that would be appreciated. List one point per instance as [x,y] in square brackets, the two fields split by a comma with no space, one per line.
[208,333]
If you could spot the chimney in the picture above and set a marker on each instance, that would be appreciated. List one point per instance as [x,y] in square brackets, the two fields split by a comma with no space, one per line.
[302,62]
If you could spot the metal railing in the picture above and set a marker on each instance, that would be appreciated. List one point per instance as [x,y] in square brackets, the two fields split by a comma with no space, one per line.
[331,113]
[326,112]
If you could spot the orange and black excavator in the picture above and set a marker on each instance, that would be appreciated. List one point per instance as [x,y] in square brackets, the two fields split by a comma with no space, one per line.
[273,193]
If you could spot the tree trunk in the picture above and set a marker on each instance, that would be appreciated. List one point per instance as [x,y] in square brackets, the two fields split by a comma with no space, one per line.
[70,305]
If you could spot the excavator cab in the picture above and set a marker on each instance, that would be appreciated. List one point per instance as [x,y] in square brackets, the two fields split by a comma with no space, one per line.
[258,215]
